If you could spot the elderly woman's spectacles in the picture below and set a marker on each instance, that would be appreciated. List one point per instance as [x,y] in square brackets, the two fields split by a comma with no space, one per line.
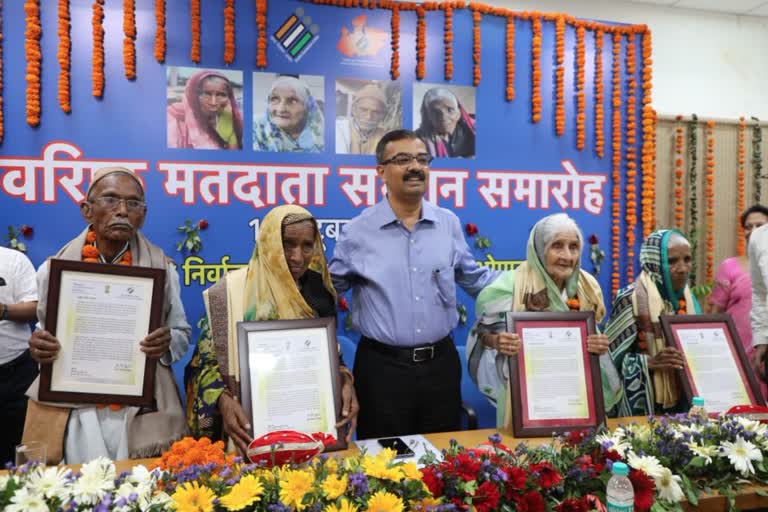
[112,202]
[403,159]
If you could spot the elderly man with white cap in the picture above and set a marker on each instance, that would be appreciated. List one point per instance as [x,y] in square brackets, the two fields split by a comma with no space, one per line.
[114,210]
[360,133]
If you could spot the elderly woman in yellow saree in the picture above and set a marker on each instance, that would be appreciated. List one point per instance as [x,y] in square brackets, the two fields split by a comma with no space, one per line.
[286,278]
[550,279]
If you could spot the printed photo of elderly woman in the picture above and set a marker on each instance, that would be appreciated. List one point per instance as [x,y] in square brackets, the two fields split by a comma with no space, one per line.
[445,119]
[288,113]
[365,111]
[204,109]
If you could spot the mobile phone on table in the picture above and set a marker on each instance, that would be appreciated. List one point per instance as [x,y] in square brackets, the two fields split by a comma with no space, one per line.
[395,443]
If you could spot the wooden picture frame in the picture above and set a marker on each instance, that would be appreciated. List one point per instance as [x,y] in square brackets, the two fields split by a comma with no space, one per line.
[263,347]
[526,324]
[673,326]
[132,285]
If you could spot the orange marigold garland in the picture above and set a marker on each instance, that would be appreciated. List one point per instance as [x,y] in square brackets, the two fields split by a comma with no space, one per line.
[616,174]
[476,18]
[679,174]
[63,56]
[129,41]
[160,30]
[97,65]
[510,58]
[631,157]
[710,202]
[421,43]
[448,40]
[599,116]
[740,188]
[32,49]
[394,70]
[649,142]
[229,31]
[536,69]
[261,26]
[560,75]
[194,9]
[91,253]
[581,102]
[190,451]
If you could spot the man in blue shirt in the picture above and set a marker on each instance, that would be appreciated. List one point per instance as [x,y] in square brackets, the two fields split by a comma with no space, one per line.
[403,258]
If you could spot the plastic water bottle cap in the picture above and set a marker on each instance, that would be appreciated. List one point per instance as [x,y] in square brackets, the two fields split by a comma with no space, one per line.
[619,468]
[698,401]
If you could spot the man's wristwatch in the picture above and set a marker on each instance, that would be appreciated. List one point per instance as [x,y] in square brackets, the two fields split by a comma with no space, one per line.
[4,312]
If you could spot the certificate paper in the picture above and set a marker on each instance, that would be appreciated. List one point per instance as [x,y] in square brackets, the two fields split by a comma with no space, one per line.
[712,366]
[99,327]
[554,373]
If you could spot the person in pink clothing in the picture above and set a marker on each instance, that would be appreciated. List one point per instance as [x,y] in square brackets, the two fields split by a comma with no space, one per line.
[207,117]
[732,290]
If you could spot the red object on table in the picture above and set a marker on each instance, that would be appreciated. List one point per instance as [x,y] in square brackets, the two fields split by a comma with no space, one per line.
[287,446]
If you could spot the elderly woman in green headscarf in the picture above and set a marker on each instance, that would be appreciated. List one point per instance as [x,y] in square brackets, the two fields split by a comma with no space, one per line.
[637,348]
[287,278]
[550,279]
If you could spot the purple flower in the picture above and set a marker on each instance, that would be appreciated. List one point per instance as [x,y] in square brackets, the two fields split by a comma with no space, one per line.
[133,497]
[359,483]
[495,438]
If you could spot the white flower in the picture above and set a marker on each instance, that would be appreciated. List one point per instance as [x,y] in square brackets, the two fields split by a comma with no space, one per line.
[706,452]
[668,486]
[4,480]
[162,499]
[752,425]
[741,454]
[98,477]
[140,475]
[50,482]
[614,443]
[648,464]
[23,501]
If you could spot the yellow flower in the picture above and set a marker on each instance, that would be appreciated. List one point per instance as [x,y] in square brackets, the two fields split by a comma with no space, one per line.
[293,487]
[427,504]
[345,506]
[192,497]
[332,464]
[387,454]
[244,493]
[334,486]
[383,501]
[410,471]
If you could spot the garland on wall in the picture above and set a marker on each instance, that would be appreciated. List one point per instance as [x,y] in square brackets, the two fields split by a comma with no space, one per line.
[160,31]
[129,41]
[510,89]
[194,18]
[97,65]
[229,31]
[709,274]
[63,56]
[741,178]
[32,35]
[448,40]
[261,27]
[421,43]
[599,118]
[649,141]
[631,156]
[757,159]
[536,70]
[477,18]
[616,173]
[394,68]
[580,94]
[679,173]
[693,156]
[560,76]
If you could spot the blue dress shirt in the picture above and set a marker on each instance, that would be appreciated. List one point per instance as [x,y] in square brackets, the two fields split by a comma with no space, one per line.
[404,282]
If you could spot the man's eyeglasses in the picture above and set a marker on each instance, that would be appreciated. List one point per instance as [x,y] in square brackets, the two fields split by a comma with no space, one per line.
[403,159]
[112,202]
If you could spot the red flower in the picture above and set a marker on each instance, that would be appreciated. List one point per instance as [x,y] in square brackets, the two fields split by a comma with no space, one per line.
[593,239]
[516,478]
[471,229]
[548,476]
[531,501]
[466,466]
[572,505]
[612,455]
[202,224]
[486,497]
[577,436]
[432,481]
[343,306]
[584,463]
[27,231]
[645,490]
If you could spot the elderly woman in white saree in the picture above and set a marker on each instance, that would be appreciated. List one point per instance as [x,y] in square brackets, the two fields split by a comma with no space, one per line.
[550,279]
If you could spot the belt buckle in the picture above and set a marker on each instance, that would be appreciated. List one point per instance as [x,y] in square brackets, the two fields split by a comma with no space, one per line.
[417,351]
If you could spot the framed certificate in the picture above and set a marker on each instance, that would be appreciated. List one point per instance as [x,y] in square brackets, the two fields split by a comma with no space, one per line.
[289,376]
[717,368]
[100,313]
[555,382]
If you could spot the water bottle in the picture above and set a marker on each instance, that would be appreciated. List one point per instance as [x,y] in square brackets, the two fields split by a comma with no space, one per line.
[697,409]
[619,494]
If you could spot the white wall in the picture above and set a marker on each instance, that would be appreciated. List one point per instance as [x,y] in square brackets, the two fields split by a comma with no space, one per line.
[714,65]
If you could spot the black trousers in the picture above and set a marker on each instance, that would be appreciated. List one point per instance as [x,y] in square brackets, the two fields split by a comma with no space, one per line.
[15,378]
[399,396]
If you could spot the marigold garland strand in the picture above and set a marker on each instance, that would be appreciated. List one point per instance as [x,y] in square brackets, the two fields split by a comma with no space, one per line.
[616,160]
[560,76]
[421,43]
[679,174]
[581,102]
[194,52]
[741,179]
[261,27]
[63,54]
[693,198]
[599,109]
[648,210]
[709,274]
[536,69]
[32,49]
[394,70]
[510,89]
[129,41]
[97,64]
[160,31]
[631,158]
[448,40]
[229,31]
[476,19]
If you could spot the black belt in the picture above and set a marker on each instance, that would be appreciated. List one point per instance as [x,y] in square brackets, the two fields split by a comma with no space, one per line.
[410,354]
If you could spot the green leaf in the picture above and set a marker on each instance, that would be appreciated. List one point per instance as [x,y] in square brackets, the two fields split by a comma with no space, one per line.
[179,245]
[697,462]
[22,247]
[691,493]
[189,244]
